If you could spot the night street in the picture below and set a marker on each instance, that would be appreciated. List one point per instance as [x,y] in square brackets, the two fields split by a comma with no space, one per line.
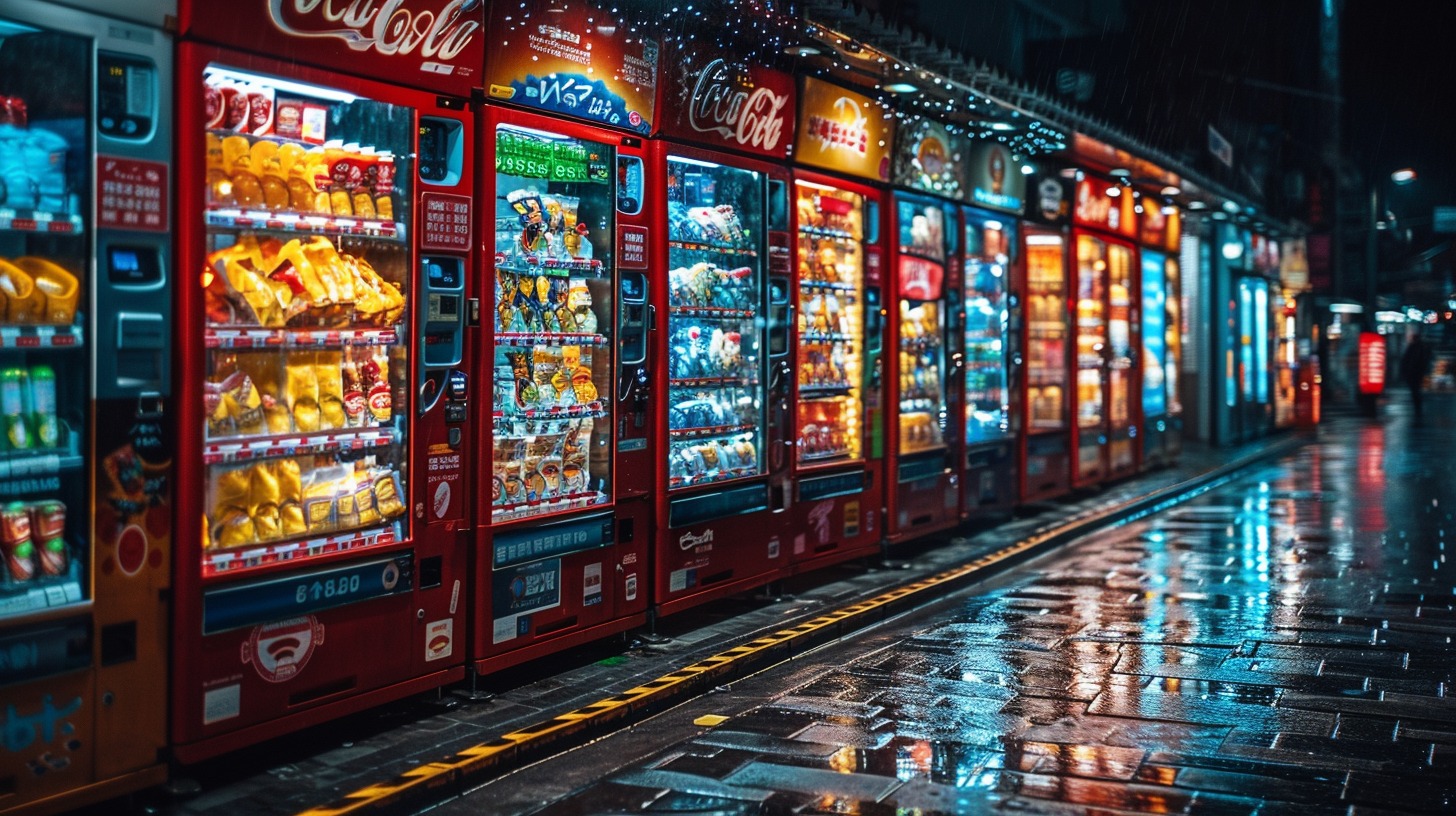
[1279,645]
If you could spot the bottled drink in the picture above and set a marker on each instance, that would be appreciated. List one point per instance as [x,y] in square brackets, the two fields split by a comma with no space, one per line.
[14,410]
[44,422]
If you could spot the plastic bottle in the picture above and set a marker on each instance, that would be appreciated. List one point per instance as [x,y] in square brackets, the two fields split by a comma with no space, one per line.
[14,411]
[44,422]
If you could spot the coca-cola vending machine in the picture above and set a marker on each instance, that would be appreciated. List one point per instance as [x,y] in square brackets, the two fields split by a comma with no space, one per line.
[723,220]
[325,169]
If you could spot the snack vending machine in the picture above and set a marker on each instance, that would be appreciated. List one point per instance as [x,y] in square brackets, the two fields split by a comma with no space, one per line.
[1106,389]
[839,449]
[989,476]
[569,520]
[325,430]
[1046,441]
[85,447]
[924,495]
[724,218]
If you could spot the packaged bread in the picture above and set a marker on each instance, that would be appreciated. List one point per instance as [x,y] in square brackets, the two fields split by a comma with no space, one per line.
[320,497]
[328,371]
[387,493]
[364,503]
[302,392]
[346,499]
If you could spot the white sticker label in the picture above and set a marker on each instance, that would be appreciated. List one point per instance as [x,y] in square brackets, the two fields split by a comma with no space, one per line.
[504,630]
[677,581]
[631,589]
[591,584]
[222,703]
[800,543]
[773,547]
[439,639]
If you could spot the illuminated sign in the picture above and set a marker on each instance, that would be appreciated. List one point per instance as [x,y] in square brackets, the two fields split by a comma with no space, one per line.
[842,130]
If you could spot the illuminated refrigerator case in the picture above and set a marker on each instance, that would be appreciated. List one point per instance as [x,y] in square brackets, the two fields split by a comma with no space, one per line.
[1154,357]
[1105,425]
[837,345]
[563,315]
[302,416]
[85,458]
[1046,468]
[1173,357]
[924,495]
[990,431]
[715,360]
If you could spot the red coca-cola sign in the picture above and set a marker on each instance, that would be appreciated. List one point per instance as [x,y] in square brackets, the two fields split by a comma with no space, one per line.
[433,44]
[729,103]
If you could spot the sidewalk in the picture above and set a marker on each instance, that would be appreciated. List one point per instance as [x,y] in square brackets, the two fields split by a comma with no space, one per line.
[406,756]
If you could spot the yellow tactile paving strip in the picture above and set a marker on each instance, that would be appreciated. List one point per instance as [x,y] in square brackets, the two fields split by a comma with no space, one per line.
[473,765]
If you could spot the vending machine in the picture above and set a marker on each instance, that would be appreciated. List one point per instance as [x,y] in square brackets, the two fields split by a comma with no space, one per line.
[923,491]
[85,455]
[837,299]
[722,293]
[1160,234]
[992,416]
[1107,401]
[566,524]
[1041,286]
[324,169]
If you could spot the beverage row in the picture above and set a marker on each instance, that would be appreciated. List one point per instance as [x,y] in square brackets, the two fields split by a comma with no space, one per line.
[33,538]
[527,302]
[331,179]
[29,409]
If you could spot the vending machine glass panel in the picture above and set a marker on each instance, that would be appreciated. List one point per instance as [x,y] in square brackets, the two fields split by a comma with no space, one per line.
[1173,336]
[830,324]
[1046,331]
[920,282]
[714,325]
[1091,329]
[1155,397]
[306,291]
[554,227]
[988,244]
[1261,340]
[1119,333]
[45,184]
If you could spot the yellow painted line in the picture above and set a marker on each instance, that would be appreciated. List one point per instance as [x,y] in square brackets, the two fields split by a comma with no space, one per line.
[487,754]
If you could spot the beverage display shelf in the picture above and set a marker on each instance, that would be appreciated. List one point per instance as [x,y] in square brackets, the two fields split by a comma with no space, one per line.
[827,232]
[713,312]
[39,594]
[710,431]
[825,337]
[25,220]
[721,249]
[532,339]
[920,402]
[532,264]
[713,382]
[822,284]
[254,556]
[222,451]
[42,337]
[824,456]
[812,391]
[593,410]
[256,337]
[920,343]
[39,462]
[240,218]
[532,508]
[724,475]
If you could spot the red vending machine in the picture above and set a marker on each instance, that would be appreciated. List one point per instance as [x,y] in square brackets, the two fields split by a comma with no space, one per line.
[564,547]
[925,447]
[324,429]
[722,220]
[1109,405]
[1041,287]
[85,436]
[839,444]
[992,416]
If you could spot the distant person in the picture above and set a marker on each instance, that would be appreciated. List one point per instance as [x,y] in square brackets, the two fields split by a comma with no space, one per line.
[1415,364]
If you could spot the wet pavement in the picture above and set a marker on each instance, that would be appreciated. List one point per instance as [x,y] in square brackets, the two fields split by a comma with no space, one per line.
[1280,644]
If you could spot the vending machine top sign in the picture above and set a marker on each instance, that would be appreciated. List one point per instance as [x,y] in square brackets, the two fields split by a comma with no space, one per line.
[843,131]
[996,180]
[1049,200]
[722,101]
[436,45]
[928,158]
[571,58]
[1161,226]
[1097,206]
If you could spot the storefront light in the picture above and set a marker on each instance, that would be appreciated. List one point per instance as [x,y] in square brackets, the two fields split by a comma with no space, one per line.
[1233,250]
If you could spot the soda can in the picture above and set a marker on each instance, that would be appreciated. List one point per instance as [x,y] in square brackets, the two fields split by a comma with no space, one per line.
[48,526]
[15,542]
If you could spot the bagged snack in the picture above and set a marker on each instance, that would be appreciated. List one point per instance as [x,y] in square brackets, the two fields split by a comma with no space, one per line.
[266,372]
[328,371]
[376,376]
[231,525]
[319,498]
[290,498]
[364,502]
[302,393]
[387,493]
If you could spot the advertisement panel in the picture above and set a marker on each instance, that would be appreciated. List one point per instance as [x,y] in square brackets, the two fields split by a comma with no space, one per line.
[843,131]
[928,158]
[1371,363]
[1049,196]
[996,181]
[572,59]
[721,101]
[1104,205]
[1161,226]
[434,44]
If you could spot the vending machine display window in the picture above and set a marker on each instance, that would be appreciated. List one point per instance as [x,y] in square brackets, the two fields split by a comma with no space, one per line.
[1155,395]
[553,324]
[306,291]
[1091,330]
[1119,334]
[988,243]
[715,331]
[45,551]
[1046,332]
[1173,335]
[923,240]
[830,324]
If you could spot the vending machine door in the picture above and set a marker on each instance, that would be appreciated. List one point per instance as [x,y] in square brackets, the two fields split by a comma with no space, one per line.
[552,314]
[1123,404]
[1092,356]
[1045,461]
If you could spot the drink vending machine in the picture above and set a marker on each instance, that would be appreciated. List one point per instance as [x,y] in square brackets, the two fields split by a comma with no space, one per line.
[566,524]
[325,422]
[724,306]
[85,437]
[990,245]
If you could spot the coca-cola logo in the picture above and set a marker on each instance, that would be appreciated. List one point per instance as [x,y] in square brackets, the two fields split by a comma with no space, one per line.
[387,28]
[726,103]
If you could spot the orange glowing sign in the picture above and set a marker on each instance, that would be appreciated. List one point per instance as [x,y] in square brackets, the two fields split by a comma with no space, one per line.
[844,131]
